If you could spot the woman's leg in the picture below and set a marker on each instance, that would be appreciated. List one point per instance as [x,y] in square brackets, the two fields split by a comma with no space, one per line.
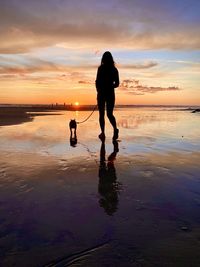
[101,107]
[110,103]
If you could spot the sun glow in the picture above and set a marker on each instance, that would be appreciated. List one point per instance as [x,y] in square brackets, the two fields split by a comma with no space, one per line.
[76,103]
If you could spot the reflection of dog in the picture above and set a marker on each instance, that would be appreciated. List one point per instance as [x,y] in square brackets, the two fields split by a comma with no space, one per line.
[73,141]
[73,125]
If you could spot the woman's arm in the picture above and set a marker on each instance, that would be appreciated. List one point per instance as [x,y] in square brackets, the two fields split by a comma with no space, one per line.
[97,82]
[116,78]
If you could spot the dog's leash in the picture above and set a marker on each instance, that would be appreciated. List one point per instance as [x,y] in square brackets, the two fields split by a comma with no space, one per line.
[78,122]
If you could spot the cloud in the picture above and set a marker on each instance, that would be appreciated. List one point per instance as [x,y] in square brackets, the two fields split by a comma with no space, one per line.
[29,65]
[34,69]
[25,64]
[85,82]
[144,65]
[134,87]
[26,25]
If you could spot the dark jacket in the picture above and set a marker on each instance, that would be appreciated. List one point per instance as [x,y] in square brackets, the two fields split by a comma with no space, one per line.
[107,79]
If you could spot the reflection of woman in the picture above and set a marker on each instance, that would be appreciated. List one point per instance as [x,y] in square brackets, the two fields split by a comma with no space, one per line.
[106,81]
[108,186]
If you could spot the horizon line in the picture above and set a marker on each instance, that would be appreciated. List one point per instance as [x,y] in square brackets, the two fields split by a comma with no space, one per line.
[82,105]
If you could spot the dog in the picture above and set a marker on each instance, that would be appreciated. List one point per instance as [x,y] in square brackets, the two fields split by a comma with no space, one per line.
[73,137]
[72,126]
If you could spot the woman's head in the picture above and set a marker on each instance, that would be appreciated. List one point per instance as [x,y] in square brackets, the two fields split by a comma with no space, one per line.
[107,59]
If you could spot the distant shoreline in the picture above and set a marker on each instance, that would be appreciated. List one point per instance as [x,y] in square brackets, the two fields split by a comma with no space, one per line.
[88,107]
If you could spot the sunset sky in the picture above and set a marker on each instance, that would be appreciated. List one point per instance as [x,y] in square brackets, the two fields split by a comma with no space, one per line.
[50,50]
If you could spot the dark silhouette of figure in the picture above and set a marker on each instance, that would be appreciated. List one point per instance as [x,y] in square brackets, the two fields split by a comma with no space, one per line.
[108,187]
[106,81]
[72,126]
[73,136]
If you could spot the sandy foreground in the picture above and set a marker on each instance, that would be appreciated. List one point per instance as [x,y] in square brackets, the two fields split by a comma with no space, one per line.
[131,203]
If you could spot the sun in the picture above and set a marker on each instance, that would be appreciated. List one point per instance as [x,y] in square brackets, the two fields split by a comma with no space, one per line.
[76,103]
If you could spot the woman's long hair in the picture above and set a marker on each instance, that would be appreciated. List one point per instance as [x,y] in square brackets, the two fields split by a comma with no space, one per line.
[107,59]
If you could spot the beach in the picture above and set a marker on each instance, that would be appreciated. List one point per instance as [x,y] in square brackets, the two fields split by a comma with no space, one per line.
[134,202]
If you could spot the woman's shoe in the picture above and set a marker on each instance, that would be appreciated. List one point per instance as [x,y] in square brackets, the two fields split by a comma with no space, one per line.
[102,137]
[116,134]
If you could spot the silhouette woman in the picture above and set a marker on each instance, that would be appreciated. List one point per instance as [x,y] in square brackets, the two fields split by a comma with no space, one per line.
[106,81]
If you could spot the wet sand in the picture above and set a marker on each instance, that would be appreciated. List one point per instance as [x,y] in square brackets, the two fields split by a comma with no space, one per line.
[132,203]
[18,115]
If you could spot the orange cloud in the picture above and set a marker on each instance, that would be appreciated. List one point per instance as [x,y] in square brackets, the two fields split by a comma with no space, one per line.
[132,86]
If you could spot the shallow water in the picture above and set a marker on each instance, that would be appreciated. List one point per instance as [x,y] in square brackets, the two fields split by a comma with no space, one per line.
[92,205]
